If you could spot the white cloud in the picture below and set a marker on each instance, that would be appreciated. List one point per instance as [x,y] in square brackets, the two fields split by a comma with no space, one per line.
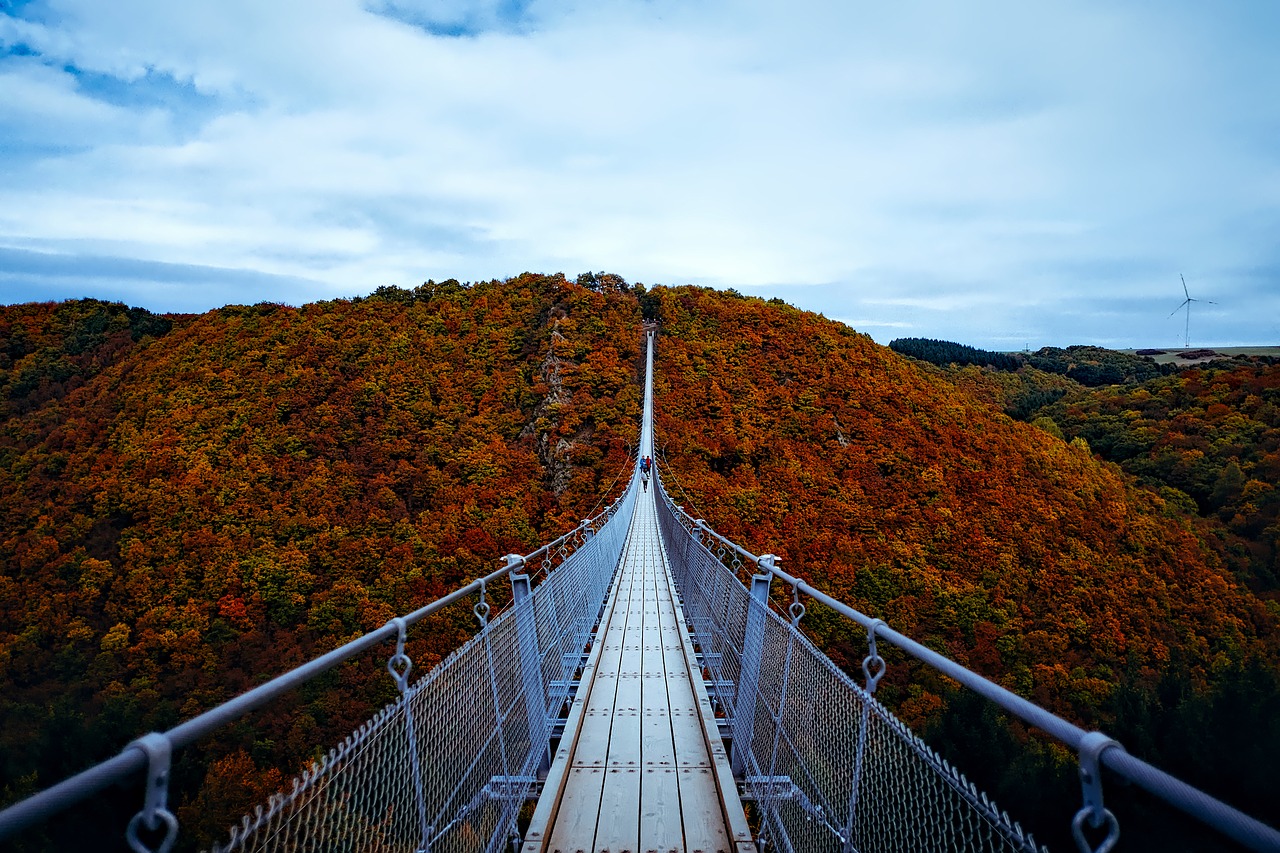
[998,155]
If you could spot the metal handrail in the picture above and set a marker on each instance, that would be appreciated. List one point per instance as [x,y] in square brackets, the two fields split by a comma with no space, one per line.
[1235,824]
[133,759]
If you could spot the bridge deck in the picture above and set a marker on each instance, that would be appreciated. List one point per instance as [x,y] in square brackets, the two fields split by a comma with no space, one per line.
[641,766]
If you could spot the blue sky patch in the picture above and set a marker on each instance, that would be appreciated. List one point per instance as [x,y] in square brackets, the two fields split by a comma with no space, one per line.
[17,49]
[458,20]
[153,90]
[40,276]
[28,10]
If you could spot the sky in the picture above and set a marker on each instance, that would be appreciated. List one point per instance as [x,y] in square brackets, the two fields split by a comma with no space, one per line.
[1002,174]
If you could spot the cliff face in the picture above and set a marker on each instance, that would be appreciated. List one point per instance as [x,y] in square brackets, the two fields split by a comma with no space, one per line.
[191,504]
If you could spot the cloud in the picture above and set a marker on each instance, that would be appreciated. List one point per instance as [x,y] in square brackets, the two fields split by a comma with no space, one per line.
[965,171]
[45,111]
[161,286]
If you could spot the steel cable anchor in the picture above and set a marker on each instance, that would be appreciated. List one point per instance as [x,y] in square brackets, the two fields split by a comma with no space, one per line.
[873,666]
[481,610]
[399,664]
[1092,746]
[796,609]
[155,812]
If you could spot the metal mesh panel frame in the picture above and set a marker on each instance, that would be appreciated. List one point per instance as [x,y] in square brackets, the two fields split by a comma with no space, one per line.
[448,765]
[829,767]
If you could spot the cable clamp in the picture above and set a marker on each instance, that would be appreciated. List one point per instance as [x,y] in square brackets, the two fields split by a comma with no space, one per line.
[1093,812]
[400,665]
[482,607]
[873,666]
[155,812]
[796,610]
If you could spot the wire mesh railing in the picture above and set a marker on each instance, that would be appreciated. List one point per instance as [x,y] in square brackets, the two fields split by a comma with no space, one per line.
[445,767]
[828,767]
[448,766]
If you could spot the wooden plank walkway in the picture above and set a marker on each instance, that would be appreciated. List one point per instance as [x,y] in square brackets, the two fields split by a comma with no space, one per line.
[641,768]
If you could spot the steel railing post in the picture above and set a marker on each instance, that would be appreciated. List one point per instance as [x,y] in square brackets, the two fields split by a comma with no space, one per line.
[535,699]
[749,676]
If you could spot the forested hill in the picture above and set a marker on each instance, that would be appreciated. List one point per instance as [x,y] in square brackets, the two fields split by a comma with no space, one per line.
[191,504]
[186,513]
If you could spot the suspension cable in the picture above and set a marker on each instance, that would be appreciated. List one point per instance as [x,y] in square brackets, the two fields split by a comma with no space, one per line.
[693,511]
[605,494]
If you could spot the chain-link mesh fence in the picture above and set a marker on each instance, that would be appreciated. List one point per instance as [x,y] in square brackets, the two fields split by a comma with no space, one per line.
[829,768]
[448,766]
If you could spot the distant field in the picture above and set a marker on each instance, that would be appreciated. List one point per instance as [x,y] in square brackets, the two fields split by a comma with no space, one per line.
[1173,354]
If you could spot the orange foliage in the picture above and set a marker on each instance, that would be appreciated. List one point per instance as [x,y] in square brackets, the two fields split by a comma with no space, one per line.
[189,511]
[879,482]
[188,515]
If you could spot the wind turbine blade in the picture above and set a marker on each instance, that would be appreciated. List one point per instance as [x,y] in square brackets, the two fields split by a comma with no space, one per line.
[1184,286]
[1179,308]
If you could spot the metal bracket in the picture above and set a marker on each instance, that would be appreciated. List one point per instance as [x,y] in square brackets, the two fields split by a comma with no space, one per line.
[1092,746]
[481,610]
[783,788]
[512,788]
[155,813]
[796,608]
[873,666]
[399,664]
[699,527]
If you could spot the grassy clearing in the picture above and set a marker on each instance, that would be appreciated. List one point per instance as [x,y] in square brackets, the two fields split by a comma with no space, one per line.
[1174,354]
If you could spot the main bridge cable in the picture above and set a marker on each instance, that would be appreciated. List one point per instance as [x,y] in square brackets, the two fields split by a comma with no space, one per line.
[133,760]
[629,463]
[1246,830]
[670,470]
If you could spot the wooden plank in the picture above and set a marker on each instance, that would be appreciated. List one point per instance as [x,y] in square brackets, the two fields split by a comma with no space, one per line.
[690,746]
[686,725]
[618,828]
[579,809]
[630,689]
[644,779]
[657,747]
[547,810]
[661,827]
[592,746]
[624,740]
[702,814]
[732,815]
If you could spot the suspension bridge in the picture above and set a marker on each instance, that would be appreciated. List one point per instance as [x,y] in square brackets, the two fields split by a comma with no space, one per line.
[636,696]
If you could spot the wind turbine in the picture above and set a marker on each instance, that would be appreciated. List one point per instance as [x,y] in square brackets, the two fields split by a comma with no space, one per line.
[1186,332]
